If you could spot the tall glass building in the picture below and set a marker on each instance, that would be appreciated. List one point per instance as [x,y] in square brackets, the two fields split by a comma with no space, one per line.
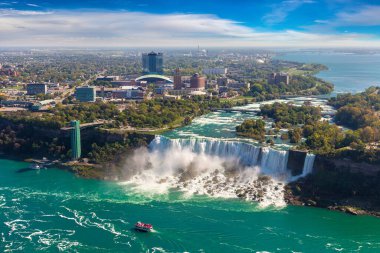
[85,94]
[75,140]
[153,63]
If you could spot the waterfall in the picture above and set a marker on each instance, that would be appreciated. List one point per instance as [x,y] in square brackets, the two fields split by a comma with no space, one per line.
[274,162]
[308,164]
[271,161]
[248,155]
[213,167]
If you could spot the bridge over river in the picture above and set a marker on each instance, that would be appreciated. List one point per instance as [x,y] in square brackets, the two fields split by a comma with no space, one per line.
[87,125]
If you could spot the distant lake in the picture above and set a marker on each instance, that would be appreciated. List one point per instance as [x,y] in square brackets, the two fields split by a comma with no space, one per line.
[348,72]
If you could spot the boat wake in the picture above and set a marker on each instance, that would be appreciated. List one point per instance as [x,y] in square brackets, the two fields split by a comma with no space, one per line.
[213,168]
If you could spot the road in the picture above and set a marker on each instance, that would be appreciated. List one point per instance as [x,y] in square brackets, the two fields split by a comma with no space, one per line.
[71,91]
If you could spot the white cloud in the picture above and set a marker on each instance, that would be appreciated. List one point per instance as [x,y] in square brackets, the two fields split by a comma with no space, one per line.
[17,13]
[281,11]
[33,5]
[318,21]
[365,16]
[138,29]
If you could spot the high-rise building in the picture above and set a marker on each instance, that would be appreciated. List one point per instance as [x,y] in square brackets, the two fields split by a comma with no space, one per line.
[75,140]
[36,88]
[177,80]
[197,82]
[85,94]
[153,63]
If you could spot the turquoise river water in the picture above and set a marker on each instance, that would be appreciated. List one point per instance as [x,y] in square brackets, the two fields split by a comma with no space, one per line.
[52,210]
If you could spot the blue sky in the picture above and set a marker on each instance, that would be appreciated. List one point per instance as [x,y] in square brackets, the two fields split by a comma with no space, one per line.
[180,23]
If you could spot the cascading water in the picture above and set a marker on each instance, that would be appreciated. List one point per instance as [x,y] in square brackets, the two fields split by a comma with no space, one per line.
[308,164]
[246,154]
[213,167]
[274,162]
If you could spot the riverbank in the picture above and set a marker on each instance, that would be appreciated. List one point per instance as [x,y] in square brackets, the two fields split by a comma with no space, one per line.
[300,194]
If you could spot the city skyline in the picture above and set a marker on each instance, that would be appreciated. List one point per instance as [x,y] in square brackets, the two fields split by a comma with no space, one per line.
[287,23]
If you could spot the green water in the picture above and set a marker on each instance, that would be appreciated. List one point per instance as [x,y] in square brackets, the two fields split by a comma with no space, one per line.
[52,210]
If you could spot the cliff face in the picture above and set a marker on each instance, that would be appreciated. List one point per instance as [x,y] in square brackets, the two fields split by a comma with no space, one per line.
[338,185]
[322,164]
[296,161]
[345,165]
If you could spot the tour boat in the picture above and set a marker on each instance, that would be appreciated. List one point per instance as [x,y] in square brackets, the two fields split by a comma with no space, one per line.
[34,166]
[143,227]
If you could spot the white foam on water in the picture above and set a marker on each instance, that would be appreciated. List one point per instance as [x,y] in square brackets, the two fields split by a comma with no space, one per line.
[24,230]
[211,167]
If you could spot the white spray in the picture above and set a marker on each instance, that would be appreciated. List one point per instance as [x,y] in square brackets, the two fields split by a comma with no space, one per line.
[211,167]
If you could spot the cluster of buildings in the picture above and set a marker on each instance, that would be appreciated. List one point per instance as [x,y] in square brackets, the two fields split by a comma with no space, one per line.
[216,81]
[33,89]
[196,84]
[10,70]
[175,86]
[92,93]
[152,68]
[152,64]
[31,103]
[151,83]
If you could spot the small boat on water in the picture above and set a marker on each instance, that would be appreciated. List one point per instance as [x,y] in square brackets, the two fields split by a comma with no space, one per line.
[143,227]
[35,166]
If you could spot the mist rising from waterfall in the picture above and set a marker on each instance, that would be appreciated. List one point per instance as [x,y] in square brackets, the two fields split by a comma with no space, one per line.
[211,167]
